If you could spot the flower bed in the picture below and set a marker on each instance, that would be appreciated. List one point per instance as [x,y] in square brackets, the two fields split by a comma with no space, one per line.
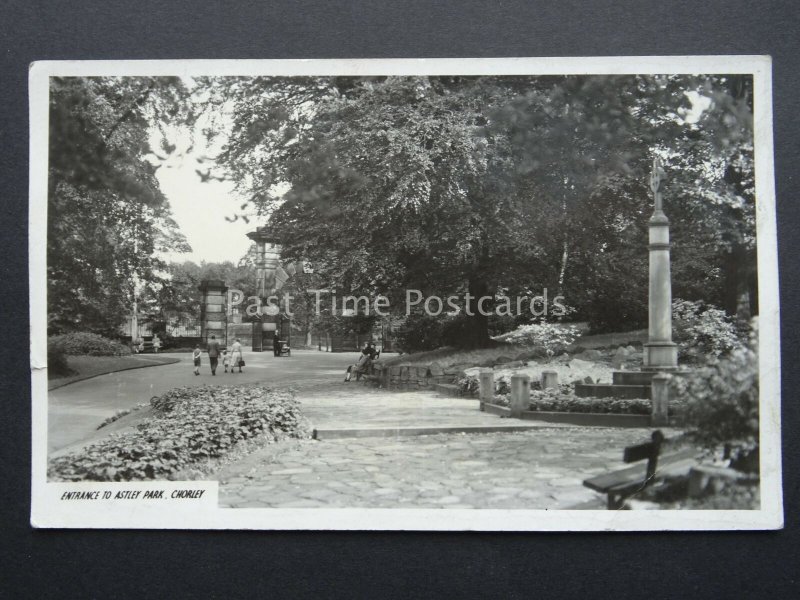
[189,426]
[549,401]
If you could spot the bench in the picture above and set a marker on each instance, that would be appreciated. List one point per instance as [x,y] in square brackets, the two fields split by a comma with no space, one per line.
[624,483]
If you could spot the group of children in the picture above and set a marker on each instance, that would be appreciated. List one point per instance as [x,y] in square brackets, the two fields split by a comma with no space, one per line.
[230,358]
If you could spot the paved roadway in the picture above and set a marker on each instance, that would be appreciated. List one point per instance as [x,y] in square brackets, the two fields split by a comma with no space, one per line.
[537,469]
[541,467]
[75,410]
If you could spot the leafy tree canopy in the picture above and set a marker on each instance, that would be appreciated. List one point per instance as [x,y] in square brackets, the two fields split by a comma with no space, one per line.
[107,217]
[490,184]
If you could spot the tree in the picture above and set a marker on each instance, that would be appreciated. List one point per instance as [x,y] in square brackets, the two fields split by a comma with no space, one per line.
[378,203]
[107,218]
[477,184]
[180,295]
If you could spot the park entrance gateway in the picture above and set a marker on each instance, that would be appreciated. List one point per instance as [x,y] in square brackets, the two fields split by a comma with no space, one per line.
[256,331]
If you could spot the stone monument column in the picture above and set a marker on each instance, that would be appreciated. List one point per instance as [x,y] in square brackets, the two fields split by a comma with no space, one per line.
[212,311]
[660,353]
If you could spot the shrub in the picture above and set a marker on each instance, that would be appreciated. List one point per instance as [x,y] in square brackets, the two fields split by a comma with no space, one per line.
[550,401]
[189,426]
[553,337]
[702,331]
[90,344]
[499,324]
[57,363]
[455,330]
[469,385]
[721,401]
[420,332]
[502,386]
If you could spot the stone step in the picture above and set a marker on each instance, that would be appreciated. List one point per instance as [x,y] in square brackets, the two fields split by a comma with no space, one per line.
[608,390]
[337,433]
[632,377]
[447,389]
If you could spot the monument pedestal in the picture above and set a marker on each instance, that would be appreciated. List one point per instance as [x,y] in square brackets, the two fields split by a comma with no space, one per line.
[660,356]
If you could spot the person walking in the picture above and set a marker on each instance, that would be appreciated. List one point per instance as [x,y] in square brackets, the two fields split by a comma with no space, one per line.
[196,358]
[156,344]
[276,345]
[236,355]
[226,360]
[213,353]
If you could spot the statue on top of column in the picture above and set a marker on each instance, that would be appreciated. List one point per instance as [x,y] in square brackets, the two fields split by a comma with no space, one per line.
[656,175]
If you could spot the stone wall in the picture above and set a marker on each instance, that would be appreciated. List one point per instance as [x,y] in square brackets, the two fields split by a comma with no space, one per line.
[409,377]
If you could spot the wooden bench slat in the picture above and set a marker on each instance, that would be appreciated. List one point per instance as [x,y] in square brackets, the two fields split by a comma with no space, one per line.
[639,452]
[634,476]
[675,468]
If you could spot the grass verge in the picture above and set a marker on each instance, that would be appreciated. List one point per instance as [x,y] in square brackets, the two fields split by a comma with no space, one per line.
[86,367]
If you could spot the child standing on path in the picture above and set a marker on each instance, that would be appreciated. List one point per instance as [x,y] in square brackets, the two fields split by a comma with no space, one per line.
[196,357]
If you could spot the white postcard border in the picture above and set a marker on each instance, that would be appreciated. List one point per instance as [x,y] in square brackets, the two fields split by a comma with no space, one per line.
[47,510]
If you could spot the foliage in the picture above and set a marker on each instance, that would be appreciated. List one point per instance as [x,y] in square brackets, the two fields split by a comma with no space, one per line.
[456,331]
[552,401]
[469,386]
[720,493]
[188,426]
[729,496]
[702,331]
[502,386]
[107,217]
[91,344]
[180,296]
[722,404]
[419,332]
[554,337]
[57,365]
[475,184]
[121,413]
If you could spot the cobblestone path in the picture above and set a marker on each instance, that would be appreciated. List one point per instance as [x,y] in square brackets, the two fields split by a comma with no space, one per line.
[537,469]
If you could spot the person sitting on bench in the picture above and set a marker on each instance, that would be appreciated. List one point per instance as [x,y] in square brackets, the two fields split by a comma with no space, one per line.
[364,361]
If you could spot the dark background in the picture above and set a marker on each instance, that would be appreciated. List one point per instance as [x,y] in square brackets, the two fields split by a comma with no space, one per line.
[100,564]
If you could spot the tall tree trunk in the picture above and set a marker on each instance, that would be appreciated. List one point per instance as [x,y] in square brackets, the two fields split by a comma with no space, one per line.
[563,271]
[478,332]
[565,251]
[737,290]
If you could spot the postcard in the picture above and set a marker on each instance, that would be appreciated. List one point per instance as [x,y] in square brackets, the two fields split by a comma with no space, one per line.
[522,294]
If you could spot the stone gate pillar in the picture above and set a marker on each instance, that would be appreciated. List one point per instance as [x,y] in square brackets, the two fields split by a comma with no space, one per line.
[660,352]
[267,261]
[213,320]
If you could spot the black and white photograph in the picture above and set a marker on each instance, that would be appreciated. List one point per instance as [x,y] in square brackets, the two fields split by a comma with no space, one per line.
[490,294]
